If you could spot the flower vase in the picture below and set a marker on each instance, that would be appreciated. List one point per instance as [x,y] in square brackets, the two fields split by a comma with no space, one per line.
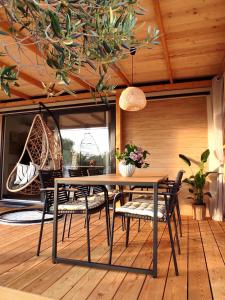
[126,170]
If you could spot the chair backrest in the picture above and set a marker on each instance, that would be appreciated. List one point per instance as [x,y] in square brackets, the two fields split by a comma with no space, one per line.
[47,181]
[77,172]
[81,189]
[179,177]
[92,172]
[174,190]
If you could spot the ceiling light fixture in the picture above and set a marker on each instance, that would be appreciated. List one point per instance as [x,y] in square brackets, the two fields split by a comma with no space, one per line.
[132,98]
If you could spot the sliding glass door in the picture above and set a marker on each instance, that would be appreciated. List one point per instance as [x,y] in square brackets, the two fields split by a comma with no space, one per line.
[88,138]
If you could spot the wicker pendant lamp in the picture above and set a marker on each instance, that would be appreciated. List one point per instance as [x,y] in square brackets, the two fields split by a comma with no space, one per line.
[132,98]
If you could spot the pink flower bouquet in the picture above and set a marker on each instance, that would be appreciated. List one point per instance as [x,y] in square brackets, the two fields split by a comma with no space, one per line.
[133,155]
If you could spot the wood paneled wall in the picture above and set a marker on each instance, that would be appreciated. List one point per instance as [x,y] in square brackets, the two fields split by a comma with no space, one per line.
[166,128]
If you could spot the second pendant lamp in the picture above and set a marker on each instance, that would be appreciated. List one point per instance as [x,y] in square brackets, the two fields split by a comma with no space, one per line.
[132,98]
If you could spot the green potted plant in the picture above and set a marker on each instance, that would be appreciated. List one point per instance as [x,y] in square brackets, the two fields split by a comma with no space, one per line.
[197,183]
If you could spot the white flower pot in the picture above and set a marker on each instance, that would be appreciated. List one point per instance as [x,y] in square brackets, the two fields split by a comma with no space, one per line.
[126,170]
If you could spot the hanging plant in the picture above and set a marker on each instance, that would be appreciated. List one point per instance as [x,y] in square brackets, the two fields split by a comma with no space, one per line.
[80,33]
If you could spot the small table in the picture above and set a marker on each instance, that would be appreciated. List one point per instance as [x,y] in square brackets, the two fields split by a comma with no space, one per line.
[151,180]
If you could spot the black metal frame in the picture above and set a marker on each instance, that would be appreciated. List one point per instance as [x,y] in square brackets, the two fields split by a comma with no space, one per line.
[56,259]
[47,190]
[87,213]
[170,202]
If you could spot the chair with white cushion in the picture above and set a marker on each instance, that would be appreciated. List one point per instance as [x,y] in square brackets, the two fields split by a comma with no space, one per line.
[163,186]
[139,209]
[85,204]
[47,195]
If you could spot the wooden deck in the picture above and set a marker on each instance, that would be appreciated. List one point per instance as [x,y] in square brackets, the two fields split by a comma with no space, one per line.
[201,264]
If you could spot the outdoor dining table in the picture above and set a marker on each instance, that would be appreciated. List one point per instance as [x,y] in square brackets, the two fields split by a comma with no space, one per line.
[151,181]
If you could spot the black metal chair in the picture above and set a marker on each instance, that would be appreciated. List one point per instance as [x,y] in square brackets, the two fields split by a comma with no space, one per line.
[84,204]
[79,172]
[165,186]
[47,193]
[98,189]
[168,183]
[145,210]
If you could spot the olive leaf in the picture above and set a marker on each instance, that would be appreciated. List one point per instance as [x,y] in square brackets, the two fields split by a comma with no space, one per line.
[71,35]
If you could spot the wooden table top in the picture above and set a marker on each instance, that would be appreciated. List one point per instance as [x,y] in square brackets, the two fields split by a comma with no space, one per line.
[114,179]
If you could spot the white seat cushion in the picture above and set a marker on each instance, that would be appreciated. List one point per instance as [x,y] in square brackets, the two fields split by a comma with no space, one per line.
[142,208]
[25,173]
[93,202]
[111,194]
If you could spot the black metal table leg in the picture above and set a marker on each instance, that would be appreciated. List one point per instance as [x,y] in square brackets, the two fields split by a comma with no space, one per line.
[155,229]
[109,266]
[55,224]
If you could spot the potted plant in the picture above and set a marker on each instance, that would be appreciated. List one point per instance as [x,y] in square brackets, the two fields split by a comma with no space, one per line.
[197,183]
[132,157]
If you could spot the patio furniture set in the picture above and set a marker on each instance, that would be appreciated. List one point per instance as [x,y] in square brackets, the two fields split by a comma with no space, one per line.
[152,198]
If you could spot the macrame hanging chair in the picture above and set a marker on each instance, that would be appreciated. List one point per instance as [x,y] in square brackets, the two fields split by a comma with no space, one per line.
[44,149]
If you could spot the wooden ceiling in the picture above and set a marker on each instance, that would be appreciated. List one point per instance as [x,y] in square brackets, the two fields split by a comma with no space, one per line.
[192,48]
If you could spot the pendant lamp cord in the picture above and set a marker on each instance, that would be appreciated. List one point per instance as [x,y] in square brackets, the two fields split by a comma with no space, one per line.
[132,52]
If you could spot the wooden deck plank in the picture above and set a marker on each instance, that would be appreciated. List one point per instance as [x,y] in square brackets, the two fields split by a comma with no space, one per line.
[9,294]
[66,282]
[219,236]
[214,261]
[202,251]
[44,281]
[29,262]
[98,237]
[67,248]
[28,241]
[87,284]
[132,283]
[110,283]
[152,286]
[10,276]
[28,251]
[21,268]
[198,281]
[176,286]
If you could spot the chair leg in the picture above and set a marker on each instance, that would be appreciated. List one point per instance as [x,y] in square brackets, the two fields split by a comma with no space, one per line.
[111,239]
[64,228]
[107,219]
[176,233]
[139,225]
[123,219]
[68,235]
[127,231]
[88,237]
[179,217]
[41,232]
[172,247]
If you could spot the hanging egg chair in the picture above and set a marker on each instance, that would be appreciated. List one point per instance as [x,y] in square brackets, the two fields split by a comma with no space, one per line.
[44,149]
